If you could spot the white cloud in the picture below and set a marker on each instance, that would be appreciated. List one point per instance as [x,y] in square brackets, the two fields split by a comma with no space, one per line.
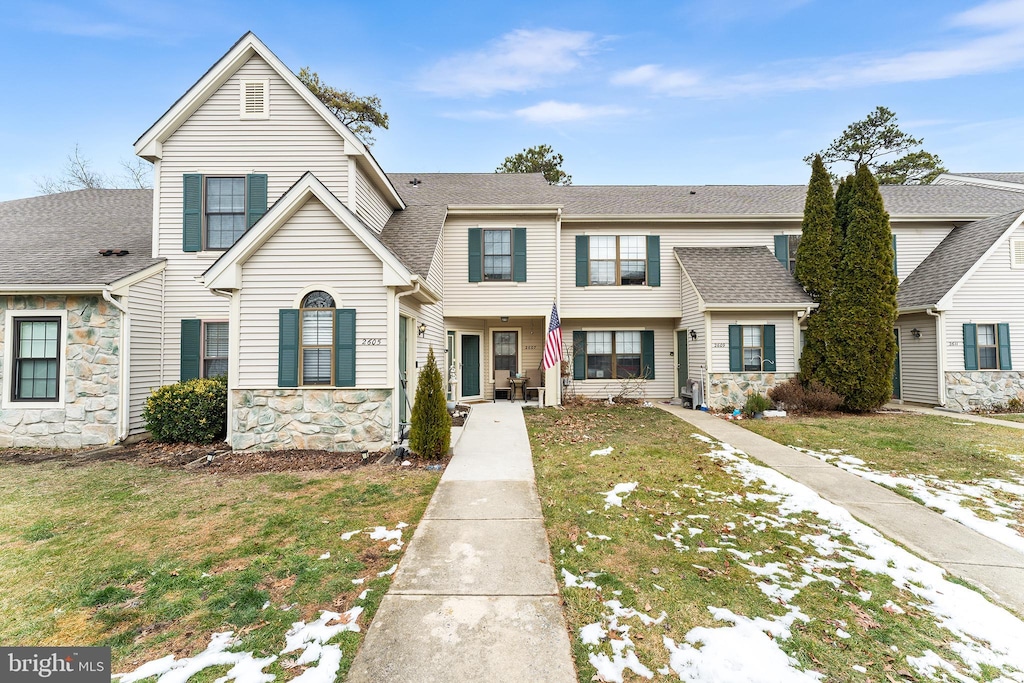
[1001,48]
[562,112]
[518,61]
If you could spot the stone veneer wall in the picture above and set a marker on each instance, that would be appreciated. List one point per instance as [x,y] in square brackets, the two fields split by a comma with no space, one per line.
[88,416]
[732,388]
[983,389]
[324,419]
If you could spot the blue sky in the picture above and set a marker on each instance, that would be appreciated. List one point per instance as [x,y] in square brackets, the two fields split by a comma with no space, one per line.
[697,91]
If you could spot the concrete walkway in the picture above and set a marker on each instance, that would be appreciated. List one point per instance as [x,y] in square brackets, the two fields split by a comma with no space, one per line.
[475,598]
[956,416]
[961,551]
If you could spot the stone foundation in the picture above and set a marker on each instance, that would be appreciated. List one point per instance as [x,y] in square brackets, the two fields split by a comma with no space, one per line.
[89,414]
[323,419]
[730,389]
[983,389]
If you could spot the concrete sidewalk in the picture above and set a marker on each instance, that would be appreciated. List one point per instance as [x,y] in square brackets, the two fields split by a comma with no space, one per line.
[961,551]
[956,416]
[475,598]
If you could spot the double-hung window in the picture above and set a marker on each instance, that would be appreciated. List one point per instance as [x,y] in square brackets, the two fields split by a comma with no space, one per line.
[215,349]
[497,255]
[987,346]
[316,343]
[613,354]
[618,260]
[753,348]
[317,335]
[36,359]
[225,211]
[217,210]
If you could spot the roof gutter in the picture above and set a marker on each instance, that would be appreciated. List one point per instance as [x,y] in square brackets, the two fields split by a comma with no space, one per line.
[124,381]
[52,289]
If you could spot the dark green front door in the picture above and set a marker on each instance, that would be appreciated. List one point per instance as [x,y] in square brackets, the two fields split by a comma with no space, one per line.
[896,379]
[403,368]
[470,365]
[681,360]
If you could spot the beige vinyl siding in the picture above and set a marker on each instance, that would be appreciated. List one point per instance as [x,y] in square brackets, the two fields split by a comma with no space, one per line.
[295,139]
[785,354]
[993,294]
[919,368]
[533,297]
[145,305]
[914,243]
[664,364]
[274,277]
[692,319]
[370,205]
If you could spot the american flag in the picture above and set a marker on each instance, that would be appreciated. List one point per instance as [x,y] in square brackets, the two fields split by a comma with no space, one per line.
[553,343]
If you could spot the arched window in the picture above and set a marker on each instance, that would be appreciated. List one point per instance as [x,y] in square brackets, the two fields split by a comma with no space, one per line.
[317,335]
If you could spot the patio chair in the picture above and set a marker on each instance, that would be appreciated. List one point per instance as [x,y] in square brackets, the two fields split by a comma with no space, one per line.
[534,382]
[501,383]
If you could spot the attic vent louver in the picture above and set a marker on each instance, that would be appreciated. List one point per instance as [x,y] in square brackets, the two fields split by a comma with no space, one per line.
[255,99]
[1017,253]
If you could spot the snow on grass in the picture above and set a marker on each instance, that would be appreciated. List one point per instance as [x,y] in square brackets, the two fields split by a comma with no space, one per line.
[602,451]
[618,492]
[311,639]
[948,496]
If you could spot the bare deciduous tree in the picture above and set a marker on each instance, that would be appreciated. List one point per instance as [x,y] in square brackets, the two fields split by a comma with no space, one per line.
[78,174]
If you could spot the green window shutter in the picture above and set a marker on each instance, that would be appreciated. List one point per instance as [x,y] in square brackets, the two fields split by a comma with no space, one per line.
[647,354]
[519,254]
[192,212]
[970,346]
[894,270]
[345,347]
[782,249]
[191,348]
[582,260]
[476,259]
[1003,340]
[288,347]
[768,339]
[579,355]
[654,260]
[255,198]
[735,348]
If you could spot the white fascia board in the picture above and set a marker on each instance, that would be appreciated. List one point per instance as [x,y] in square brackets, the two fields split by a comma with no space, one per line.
[681,218]
[984,182]
[226,272]
[149,145]
[761,307]
[51,289]
[946,302]
[615,313]
[120,287]
[487,209]
[497,310]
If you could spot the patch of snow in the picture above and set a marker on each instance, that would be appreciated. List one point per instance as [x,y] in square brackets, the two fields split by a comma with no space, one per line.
[573,581]
[388,572]
[598,537]
[362,596]
[602,451]
[842,634]
[406,463]
[618,492]
[859,669]
[245,666]
[349,534]
[356,582]
[592,634]
[325,556]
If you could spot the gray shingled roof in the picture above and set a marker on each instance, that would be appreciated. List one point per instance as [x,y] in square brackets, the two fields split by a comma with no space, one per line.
[1004,177]
[740,275]
[949,261]
[55,239]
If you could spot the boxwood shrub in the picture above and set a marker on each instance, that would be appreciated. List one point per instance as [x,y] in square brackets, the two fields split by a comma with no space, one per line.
[193,411]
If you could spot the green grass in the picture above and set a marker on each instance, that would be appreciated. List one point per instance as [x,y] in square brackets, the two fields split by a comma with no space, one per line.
[153,562]
[948,448]
[1012,417]
[657,450]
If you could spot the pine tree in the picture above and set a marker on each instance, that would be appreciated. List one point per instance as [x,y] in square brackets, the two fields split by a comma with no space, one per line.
[430,432]
[861,349]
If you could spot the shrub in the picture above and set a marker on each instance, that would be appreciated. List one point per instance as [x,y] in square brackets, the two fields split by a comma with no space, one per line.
[430,432]
[193,411]
[815,397]
[756,403]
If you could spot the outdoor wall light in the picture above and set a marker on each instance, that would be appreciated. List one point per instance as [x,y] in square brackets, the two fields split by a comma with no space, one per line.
[504,318]
[916,332]
[421,329]
[693,335]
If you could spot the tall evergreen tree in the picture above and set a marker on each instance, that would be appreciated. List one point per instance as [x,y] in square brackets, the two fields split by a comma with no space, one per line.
[816,262]
[858,358]
[430,432]
[843,192]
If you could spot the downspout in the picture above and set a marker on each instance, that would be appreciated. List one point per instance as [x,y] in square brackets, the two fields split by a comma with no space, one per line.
[397,388]
[227,294]
[940,345]
[125,350]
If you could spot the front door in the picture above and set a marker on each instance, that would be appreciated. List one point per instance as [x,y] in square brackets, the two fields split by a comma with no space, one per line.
[682,370]
[470,365]
[403,368]
[896,379]
[449,387]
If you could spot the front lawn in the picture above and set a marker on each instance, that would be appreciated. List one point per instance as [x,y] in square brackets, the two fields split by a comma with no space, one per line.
[1012,417]
[970,471]
[153,561]
[680,558]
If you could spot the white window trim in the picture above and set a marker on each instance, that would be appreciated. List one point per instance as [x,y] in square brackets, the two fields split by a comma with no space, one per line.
[618,261]
[62,353]
[265,114]
[202,344]
[1016,246]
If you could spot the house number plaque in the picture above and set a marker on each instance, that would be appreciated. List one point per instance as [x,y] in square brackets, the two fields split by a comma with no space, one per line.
[371,342]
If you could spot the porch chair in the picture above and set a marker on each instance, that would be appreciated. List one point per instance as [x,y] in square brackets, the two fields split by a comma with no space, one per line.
[534,382]
[501,383]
